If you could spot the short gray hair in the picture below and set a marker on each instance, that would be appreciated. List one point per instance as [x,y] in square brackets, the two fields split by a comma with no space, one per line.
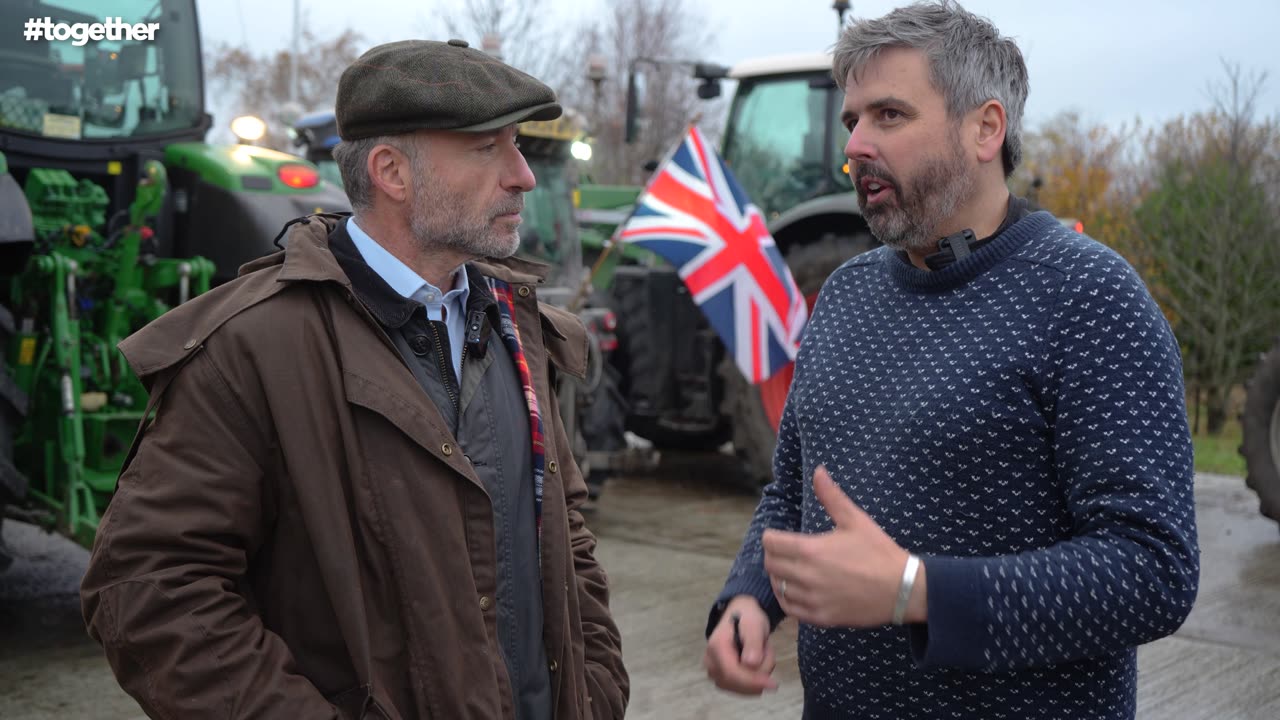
[352,157]
[969,62]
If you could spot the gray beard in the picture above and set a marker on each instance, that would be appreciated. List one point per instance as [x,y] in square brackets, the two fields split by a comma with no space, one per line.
[437,222]
[931,197]
[449,232]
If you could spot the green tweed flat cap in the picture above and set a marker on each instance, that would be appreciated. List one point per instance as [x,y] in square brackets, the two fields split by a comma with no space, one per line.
[413,85]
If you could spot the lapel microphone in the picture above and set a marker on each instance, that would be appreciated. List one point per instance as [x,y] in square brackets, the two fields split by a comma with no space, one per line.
[477,333]
[952,248]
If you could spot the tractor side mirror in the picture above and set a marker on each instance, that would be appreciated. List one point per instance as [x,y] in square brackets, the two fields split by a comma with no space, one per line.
[709,89]
[710,74]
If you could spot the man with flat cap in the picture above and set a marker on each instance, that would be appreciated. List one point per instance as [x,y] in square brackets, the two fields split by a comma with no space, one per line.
[356,498]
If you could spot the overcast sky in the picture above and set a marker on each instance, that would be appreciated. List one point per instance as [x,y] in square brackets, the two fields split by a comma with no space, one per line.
[1112,60]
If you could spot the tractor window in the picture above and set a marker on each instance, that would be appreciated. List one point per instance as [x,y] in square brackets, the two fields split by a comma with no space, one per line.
[113,87]
[778,145]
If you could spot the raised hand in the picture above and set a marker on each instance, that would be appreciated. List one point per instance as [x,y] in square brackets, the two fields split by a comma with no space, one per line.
[848,577]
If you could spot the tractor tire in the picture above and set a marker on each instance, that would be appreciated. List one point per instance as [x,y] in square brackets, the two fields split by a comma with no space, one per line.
[603,424]
[754,438]
[641,359]
[13,407]
[813,263]
[1260,422]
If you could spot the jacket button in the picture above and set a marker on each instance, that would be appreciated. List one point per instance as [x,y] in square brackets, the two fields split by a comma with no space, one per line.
[553,666]
[447,449]
[524,291]
[421,345]
[485,602]
[190,344]
[552,466]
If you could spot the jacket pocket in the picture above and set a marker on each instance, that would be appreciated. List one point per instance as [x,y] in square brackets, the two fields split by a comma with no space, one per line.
[358,703]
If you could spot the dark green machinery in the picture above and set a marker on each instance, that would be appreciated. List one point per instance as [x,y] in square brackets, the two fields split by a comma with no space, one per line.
[113,209]
[82,292]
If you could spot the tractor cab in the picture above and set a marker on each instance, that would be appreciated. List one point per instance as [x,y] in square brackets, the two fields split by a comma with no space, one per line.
[549,233]
[120,86]
[95,107]
[113,209]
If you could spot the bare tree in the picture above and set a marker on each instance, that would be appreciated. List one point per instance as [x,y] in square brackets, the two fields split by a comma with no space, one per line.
[662,30]
[525,33]
[562,53]
[260,82]
[1211,229]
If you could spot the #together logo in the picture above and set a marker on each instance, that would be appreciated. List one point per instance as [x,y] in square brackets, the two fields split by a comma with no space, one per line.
[81,33]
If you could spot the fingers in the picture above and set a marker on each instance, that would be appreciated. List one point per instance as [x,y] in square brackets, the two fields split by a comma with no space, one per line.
[731,671]
[753,629]
[797,600]
[801,566]
[783,544]
[770,662]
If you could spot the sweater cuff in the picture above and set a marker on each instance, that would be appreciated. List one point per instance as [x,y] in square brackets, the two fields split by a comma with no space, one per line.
[955,634]
[758,588]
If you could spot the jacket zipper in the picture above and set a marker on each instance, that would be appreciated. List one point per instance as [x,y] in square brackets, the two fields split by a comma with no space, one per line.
[446,372]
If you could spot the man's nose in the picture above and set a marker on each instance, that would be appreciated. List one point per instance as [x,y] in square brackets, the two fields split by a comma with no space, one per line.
[859,148]
[518,177]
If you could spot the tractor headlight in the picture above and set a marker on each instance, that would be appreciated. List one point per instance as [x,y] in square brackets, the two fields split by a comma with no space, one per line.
[248,129]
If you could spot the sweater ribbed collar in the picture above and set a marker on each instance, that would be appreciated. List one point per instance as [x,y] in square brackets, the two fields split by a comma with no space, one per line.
[912,279]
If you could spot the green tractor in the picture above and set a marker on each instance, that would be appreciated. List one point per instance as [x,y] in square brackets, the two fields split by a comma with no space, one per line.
[784,140]
[112,210]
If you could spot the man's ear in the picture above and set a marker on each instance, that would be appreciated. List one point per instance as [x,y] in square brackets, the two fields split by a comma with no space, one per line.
[390,171]
[991,124]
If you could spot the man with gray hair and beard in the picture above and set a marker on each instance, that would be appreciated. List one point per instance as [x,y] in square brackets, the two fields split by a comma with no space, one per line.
[982,500]
[357,499]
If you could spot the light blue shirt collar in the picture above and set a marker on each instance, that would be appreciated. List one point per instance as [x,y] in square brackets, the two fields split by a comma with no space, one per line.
[410,284]
[401,277]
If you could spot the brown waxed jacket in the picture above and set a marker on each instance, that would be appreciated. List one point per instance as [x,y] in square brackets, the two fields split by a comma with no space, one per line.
[297,535]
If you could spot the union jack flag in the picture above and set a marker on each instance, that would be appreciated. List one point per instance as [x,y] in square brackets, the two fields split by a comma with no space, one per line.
[694,214]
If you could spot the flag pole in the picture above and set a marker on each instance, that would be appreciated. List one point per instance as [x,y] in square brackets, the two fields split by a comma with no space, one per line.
[576,303]
[580,296]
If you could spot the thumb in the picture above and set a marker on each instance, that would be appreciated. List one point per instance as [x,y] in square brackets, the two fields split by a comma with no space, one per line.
[843,511]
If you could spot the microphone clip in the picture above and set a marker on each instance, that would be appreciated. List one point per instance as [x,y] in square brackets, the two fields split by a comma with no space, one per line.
[952,248]
[477,333]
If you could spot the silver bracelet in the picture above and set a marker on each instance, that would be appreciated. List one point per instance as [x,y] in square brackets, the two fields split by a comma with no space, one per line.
[904,589]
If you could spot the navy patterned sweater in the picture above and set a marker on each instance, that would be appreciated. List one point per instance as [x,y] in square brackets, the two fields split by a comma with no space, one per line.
[1018,420]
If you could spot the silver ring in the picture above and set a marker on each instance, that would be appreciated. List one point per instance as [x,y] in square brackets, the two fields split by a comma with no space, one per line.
[782,589]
